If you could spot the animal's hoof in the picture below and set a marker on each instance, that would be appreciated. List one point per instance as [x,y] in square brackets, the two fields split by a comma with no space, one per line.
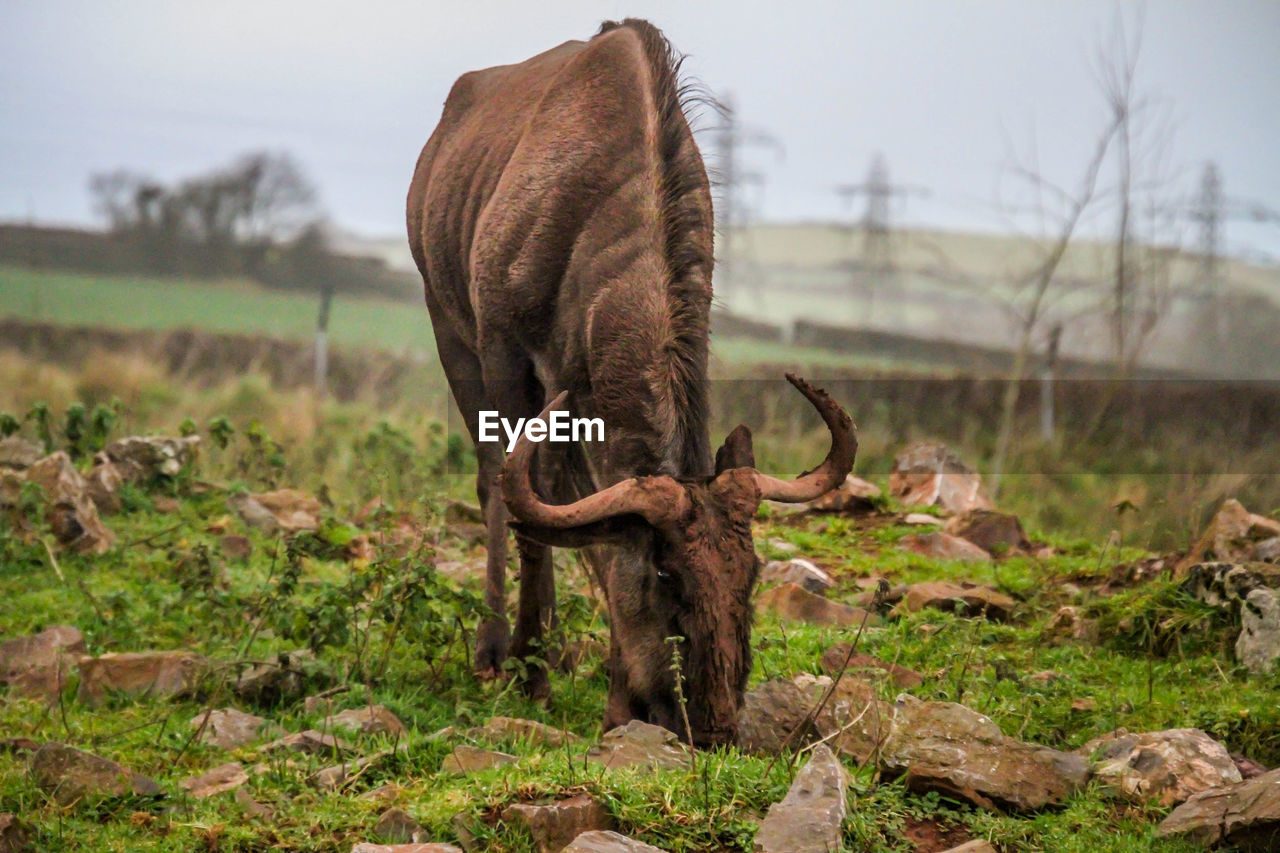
[536,686]
[492,642]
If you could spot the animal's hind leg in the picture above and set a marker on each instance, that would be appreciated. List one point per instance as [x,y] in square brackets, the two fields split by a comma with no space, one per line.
[462,368]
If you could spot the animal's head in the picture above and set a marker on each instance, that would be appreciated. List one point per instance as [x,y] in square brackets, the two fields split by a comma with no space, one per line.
[684,568]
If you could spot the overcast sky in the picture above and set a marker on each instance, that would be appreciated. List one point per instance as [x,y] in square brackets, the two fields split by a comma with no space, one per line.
[353,90]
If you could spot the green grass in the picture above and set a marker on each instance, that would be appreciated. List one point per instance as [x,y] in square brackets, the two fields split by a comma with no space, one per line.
[1161,662]
[141,302]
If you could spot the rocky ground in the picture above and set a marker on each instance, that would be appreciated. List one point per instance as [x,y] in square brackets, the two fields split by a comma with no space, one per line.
[192,665]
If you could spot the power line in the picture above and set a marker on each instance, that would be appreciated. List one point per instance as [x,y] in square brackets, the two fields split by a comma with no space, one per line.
[730,139]
[877,244]
[1209,211]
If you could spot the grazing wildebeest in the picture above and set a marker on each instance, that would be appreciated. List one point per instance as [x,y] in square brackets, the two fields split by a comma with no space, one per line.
[561,217]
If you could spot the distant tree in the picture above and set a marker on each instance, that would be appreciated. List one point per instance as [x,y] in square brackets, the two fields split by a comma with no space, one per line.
[278,201]
[225,221]
[1146,199]
[1138,262]
[113,195]
[1032,292]
[129,201]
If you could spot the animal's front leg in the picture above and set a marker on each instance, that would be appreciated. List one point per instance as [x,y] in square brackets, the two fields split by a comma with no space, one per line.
[512,391]
[535,616]
[617,711]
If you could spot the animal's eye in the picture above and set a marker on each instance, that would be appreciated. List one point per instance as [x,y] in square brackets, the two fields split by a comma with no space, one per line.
[664,575]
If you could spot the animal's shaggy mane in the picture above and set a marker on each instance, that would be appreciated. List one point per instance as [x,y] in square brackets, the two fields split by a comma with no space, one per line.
[689,261]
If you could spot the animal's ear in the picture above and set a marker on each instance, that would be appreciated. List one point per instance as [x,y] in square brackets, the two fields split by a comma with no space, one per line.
[611,531]
[736,452]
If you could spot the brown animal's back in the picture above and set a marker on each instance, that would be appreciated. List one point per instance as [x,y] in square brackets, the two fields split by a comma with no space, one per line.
[561,203]
[547,126]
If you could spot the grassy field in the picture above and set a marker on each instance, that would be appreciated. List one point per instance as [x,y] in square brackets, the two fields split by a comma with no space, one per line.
[1161,660]
[139,302]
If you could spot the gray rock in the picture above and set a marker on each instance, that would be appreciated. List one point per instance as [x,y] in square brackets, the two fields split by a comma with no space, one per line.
[606,841]
[310,742]
[367,720]
[555,825]
[104,483]
[994,532]
[797,604]
[396,826]
[939,545]
[809,818]
[949,748]
[18,454]
[930,474]
[1245,815]
[1268,550]
[141,674]
[526,731]
[783,545]
[1164,767]
[334,777]
[974,600]
[224,777]
[797,571]
[68,774]
[774,715]
[142,458]
[1255,588]
[386,793]
[854,719]
[779,714]
[1230,536]
[229,728]
[977,845]
[70,510]
[365,847]
[41,682]
[40,649]
[280,511]
[468,759]
[639,743]
[35,665]
[1258,646]
[1225,585]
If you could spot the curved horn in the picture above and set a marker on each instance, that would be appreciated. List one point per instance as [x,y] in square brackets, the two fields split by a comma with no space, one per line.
[837,465]
[660,500]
